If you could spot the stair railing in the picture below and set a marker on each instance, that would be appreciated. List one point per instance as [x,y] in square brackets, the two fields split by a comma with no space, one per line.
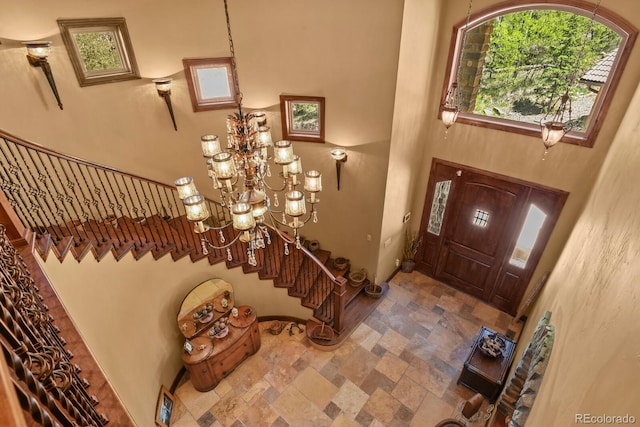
[64,196]
[91,206]
[47,383]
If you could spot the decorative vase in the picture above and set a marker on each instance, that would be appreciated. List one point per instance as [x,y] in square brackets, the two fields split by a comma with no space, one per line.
[408,265]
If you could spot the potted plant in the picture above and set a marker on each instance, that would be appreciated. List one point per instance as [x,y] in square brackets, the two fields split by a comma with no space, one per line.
[411,243]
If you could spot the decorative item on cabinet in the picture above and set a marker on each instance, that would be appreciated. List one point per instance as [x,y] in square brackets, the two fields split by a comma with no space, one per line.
[223,341]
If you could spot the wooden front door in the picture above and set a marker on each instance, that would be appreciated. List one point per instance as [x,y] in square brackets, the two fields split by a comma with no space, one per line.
[484,233]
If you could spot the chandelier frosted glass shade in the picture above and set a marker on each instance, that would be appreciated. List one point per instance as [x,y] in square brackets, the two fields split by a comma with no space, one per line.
[552,133]
[223,165]
[449,116]
[282,152]
[196,208]
[185,187]
[210,145]
[243,219]
[295,205]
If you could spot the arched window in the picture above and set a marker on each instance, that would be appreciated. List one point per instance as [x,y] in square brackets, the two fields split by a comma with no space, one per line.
[515,59]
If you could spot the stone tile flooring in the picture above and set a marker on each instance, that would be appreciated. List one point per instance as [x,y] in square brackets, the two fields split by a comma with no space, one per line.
[398,368]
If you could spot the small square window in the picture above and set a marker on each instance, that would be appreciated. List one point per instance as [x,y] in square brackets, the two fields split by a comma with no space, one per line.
[481,218]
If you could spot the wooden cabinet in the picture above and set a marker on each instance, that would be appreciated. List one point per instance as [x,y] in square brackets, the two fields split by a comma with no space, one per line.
[219,335]
[212,359]
[485,374]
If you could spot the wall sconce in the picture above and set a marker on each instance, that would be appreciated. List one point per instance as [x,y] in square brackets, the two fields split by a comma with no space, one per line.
[339,154]
[37,52]
[163,87]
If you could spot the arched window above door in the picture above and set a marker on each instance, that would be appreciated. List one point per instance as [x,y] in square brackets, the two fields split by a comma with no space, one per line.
[513,60]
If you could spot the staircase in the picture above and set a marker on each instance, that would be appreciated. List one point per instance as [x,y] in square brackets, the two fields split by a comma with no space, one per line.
[75,208]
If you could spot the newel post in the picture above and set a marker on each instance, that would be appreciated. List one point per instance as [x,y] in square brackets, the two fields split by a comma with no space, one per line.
[339,301]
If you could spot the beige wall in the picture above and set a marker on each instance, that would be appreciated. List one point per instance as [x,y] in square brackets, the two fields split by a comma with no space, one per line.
[594,297]
[126,312]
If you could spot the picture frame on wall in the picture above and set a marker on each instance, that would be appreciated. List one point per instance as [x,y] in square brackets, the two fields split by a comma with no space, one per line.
[302,118]
[100,50]
[211,83]
[164,407]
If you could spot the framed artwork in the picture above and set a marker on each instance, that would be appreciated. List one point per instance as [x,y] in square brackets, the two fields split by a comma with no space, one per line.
[302,118]
[210,82]
[100,50]
[164,408]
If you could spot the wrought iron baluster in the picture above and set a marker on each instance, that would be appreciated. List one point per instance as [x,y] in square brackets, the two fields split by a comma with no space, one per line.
[143,211]
[65,198]
[161,230]
[42,194]
[119,205]
[87,203]
[177,218]
[13,170]
[111,204]
[72,185]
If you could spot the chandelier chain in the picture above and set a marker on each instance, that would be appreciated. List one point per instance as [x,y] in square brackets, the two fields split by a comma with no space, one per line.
[234,66]
[466,29]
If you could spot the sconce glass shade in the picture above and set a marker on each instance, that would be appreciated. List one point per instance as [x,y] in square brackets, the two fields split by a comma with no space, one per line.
[223,165]
[242,216]
[449,116]
[196,208]
[185,187]
[552,133]
[282,152]
[163,85]
[264,136]
[39,49]
[295,205]
[313,181]
[210,145]
[339,153]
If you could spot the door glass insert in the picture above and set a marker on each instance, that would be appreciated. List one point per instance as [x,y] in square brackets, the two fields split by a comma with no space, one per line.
[440,196]
[528,236]
[481,218]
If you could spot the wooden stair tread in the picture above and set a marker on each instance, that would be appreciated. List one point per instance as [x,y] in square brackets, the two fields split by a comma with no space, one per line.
[299,273]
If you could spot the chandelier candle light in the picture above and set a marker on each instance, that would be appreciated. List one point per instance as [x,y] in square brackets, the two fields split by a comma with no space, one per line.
[240,174]
[451,106]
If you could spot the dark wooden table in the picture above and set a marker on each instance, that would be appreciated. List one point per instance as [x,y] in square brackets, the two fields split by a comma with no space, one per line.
[485,374]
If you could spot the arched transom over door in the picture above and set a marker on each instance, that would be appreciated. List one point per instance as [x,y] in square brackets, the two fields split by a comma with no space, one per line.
[484,233]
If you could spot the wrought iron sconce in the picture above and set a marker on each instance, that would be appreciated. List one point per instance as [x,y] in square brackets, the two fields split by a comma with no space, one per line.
[37,52]
[339,154]
[163,86]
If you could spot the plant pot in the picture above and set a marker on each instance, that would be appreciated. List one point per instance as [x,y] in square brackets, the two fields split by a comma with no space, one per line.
[314,246]
[408,265]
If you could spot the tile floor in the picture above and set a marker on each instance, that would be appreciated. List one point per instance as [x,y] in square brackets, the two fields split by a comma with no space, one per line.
[398,368]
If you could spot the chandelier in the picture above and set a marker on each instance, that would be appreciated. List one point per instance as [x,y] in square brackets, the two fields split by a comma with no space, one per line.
[451,106]
[240,174]
[554,128]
